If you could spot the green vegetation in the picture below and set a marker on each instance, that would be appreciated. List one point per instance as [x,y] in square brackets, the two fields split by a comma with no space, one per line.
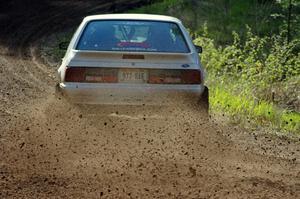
[243,109]
[265,17]
[250,79]
[252,60]
[50,51]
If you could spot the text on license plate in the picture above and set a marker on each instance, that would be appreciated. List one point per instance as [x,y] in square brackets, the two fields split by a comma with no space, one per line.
[133,76]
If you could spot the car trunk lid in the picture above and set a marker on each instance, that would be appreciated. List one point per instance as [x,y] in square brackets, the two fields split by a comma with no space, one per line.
[134,59]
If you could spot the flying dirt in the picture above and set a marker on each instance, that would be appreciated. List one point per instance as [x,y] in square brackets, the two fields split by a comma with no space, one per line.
[51,148]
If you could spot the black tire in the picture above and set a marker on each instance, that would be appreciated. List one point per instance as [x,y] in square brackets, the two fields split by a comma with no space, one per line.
[204,101]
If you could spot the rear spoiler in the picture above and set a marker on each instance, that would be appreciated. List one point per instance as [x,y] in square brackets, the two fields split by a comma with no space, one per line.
[136,56]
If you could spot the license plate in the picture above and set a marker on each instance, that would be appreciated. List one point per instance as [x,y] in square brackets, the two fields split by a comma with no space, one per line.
[91,78]
[133,76]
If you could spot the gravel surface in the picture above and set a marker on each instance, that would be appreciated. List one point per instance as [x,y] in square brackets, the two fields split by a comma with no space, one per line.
[50,148]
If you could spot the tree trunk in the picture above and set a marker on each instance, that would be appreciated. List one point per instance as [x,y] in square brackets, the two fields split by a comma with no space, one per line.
[289,20]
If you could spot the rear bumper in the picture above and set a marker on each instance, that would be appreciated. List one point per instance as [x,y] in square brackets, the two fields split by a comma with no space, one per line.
[95,93]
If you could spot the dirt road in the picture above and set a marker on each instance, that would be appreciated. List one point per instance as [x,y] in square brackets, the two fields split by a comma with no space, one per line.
[52,149]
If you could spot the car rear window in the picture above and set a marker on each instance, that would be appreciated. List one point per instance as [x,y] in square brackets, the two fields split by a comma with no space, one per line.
[144,36]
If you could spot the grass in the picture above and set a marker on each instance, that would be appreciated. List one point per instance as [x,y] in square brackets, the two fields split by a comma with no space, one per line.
[243,108]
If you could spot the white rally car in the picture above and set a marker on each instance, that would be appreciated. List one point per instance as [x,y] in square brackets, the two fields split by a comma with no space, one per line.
[132,59]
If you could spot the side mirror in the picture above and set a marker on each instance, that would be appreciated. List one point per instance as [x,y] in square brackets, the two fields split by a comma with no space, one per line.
[63,45]
[199,49]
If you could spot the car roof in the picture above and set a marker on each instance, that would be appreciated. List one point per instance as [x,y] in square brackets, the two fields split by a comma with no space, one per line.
[147,17]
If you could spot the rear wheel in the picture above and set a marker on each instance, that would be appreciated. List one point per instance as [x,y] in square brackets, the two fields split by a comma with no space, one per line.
[204,101]
[58,91]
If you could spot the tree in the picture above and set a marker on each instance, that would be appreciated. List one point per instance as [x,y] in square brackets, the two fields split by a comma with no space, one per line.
[291,8]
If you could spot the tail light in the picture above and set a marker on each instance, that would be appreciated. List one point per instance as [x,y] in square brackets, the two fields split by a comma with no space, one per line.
[175,77]
[191,77]
[75,74]
[91,75]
